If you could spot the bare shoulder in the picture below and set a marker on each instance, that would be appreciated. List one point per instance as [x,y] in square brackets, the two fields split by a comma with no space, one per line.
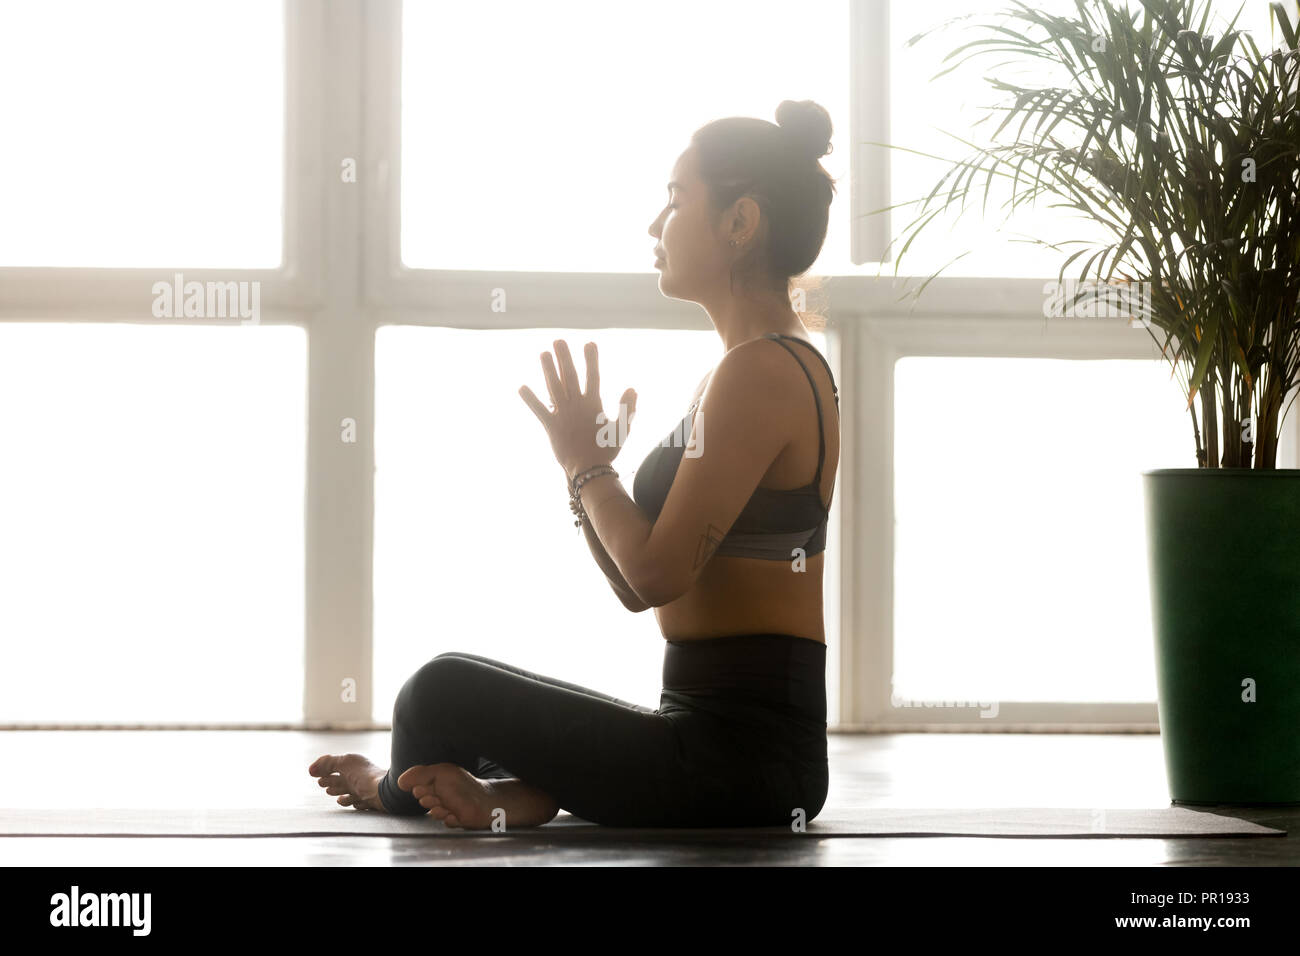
[755,375]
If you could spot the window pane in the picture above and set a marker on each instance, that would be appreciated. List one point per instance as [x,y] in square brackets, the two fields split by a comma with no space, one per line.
[1020,542]
[539,142]
[141,134]
[922,109]
[151,523]
[475,546]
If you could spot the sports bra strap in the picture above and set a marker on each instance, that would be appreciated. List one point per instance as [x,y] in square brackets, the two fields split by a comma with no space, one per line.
[835,389]
[821,436]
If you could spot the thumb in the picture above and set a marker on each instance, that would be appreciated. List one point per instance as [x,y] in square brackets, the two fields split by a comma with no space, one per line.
[629,400]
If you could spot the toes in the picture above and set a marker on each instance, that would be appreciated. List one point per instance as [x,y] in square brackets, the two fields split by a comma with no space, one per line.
[421,774]
[322,764]
[328,763]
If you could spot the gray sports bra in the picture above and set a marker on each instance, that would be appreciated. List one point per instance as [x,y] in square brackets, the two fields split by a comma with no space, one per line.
[773,522]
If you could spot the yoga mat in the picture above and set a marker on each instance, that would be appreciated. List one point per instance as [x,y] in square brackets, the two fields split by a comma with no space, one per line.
[859,822]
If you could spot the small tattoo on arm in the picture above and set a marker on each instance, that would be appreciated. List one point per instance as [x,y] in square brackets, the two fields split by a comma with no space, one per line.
[709,542]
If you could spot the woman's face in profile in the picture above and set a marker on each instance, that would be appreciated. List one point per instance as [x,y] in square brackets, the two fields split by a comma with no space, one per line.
[690,256]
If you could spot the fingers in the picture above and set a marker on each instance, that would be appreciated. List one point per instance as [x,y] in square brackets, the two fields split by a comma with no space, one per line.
[626,412]
[628,401]
[532,401]
[568,371]
[593,370]
[553,383]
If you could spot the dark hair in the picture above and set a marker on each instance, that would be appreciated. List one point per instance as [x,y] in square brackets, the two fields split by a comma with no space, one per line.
[778,166]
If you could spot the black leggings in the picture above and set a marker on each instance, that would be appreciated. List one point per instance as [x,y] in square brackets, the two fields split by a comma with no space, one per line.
[738,739]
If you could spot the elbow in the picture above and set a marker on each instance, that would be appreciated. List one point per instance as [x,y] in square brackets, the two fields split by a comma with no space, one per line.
[633,603]
[657,599]
[627,597]
[657,589]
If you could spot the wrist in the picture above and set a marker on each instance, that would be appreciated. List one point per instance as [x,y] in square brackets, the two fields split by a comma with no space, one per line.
[593,482]
[572,473]
[579,480]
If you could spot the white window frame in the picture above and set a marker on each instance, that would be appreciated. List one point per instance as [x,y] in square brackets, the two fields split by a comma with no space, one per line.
[341,279]
[955,317]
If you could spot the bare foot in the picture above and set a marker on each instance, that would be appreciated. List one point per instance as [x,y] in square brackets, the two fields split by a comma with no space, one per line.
[459,799]
[352,776]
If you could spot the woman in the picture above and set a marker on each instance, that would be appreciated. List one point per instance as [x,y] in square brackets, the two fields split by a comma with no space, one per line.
[723,538]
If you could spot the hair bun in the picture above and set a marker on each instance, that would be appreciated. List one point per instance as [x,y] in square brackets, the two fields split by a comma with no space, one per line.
[810,125]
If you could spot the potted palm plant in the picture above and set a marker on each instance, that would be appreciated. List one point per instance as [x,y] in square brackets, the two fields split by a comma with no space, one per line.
[1184,147]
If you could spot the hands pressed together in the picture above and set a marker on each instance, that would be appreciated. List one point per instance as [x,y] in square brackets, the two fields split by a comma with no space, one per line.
[581,434]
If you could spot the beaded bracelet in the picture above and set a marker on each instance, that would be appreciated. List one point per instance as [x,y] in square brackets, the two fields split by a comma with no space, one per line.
[575,486]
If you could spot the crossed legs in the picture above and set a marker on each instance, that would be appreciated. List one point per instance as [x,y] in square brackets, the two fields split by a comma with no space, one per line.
[475,739]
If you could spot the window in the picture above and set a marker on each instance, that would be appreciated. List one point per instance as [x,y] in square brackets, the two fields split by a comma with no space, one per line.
[558,160]
[151,509]
[1019,550]
[475,547]
[141,134]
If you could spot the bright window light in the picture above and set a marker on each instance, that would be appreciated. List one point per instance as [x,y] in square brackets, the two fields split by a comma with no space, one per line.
[1020,543]
[540,137]
[141,134]
[151,510]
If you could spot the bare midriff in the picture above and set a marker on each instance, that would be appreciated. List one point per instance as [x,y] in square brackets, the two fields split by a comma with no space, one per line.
[748,596]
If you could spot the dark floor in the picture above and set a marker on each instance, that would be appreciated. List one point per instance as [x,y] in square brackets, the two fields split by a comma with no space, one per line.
[269,769]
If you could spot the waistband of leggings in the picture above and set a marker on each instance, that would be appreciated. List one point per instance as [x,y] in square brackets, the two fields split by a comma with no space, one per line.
[781,670]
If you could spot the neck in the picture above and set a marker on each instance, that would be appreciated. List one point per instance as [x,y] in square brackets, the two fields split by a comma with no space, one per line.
[740,318]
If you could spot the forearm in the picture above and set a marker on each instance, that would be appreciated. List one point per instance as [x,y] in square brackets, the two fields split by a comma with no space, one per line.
[623,531]
[611,571]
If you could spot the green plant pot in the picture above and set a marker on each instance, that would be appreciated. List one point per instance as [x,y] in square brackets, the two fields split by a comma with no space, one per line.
[1223,547]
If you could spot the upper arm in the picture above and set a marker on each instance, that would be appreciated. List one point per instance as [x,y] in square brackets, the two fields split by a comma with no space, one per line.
[738,431]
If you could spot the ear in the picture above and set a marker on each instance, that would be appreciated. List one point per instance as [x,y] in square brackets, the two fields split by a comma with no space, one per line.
[746,216]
